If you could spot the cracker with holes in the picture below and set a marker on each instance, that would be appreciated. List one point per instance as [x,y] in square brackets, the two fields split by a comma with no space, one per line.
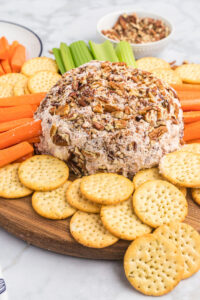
[151,174]
[10,185]
[146,175]
[167,75]
[181,168]
[106,188]
[193,148]
[153,265]
[159,202]
[151,63]
[88,230]
[38,64]
[20,86]
[196,195]
[6,90]
[43,172]
[12,78]
[187,239]
[189,73]
[122,222]
[77,200]
[42,81]
[53,204]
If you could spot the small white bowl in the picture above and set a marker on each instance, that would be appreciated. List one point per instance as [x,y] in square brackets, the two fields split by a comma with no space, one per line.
[140,50]
[24,36]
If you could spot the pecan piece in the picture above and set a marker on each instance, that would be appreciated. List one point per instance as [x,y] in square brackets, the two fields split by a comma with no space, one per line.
[111,108]
[63,110]
[157,132]
[120,124]
[98,125]
[98,108]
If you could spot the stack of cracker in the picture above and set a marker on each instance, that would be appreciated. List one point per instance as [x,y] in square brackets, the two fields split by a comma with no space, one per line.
[106,207]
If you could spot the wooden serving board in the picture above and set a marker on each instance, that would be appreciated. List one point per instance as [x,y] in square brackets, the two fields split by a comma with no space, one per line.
[18,218]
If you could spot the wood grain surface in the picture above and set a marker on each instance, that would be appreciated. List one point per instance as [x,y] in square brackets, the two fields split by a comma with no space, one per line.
[18,218]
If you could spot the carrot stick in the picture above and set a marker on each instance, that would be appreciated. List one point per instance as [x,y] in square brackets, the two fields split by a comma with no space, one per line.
[20,134]
[192,131]
[4,48]
[10,154]
[34,107]
[6,66]
[16,112]
[1,70]
[12,49]
[191,116]
[18,59]
[189,105]
[32,99]
[185,87]
[193,141]
[23,158]
[34,140]
[187,91]
[5,126]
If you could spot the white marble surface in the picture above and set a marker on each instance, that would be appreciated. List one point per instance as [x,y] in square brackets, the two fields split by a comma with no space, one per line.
[32,273]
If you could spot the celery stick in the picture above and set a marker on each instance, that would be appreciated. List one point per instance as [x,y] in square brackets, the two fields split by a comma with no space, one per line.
[59,60]
[125,53]
[80,53]
[104,51]
[66,56]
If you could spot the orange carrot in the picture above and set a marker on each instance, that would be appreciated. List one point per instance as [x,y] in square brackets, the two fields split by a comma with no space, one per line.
[189,105]
[12,49]
[23,158]
[191,116]
[34,140]
[5,126]
[32,99]
[187,91]
[16,112]
[6,66]
[1,70]
[20,134]
[18,59]
[185,87]
[4,48]
[193,141]
[192,131]
[10,154]
[34,107]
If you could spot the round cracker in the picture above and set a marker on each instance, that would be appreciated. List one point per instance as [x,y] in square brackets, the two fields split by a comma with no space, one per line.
[151,174]
[187,239]
[181,168]
[6,90]
[10,185]
[167,75]
[153,265]
[43,81]
[19,88]
[43,172]
[53,204]
[151,63]
[122,222]
[196,195]
[189,73]
[88,230]
[77,200]
[12,78]
[37,64]
[106,188]
[159,202]
[146,175]
[193,148]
